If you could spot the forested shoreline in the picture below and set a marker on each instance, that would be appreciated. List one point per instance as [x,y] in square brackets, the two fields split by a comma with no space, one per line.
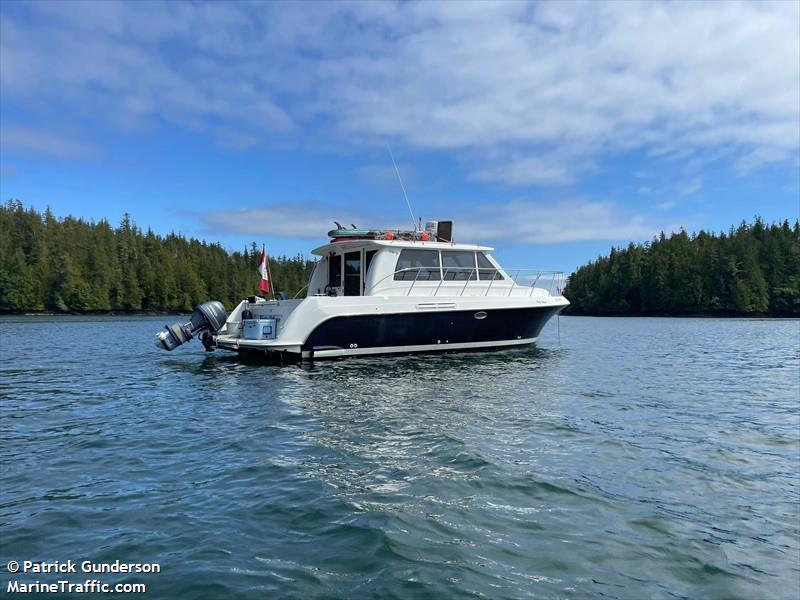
[752,270]
[70,265]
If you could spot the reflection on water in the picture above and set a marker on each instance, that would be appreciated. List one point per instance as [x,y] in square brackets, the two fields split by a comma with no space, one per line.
[371,365]
[637,458]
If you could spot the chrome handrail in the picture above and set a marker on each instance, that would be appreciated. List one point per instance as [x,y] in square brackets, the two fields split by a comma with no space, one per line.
[533,285]
[382,279]
[556,279]
[415,280]
[468,279]
[490,282]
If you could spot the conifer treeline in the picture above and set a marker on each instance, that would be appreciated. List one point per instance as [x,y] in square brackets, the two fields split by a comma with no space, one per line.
[73,265]
[753,269]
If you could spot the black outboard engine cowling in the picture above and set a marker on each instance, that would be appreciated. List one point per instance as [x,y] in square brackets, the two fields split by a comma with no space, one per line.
[208,318]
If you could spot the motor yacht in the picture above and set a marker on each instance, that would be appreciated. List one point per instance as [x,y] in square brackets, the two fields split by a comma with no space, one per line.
[386,292]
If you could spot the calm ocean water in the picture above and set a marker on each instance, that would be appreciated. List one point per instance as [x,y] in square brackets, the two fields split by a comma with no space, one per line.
[637,458]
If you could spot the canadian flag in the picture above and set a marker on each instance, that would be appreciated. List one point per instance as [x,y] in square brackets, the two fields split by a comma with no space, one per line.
[263,285]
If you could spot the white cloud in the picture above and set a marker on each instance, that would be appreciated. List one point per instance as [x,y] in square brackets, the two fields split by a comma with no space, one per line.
[530,170]
[520,93]
[519,222]
[46,142]
[530,223]
[290,220]
[689,187]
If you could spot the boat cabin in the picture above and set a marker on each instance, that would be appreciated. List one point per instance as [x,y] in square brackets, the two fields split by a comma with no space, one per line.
[366,267]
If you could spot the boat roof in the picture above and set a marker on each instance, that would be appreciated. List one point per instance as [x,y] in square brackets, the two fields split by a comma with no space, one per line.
[325,249]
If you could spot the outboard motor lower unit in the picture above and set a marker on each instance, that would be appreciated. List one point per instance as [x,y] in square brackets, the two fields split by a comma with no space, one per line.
[207,319]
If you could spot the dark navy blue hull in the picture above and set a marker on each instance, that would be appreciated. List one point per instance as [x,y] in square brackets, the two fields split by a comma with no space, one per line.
[434,330]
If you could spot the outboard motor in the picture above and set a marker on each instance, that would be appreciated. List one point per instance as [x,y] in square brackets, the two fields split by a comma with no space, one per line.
[208,318]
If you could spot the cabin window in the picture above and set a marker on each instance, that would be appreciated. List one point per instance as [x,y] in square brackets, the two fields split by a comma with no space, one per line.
[417,265]
[458,266]
[486,269]
[368,256]
[334,270]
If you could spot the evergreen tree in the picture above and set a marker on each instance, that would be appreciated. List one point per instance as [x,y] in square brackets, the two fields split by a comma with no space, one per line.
[751,269]
[73,265]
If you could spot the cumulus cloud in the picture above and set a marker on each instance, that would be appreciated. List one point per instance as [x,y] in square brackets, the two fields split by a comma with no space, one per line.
[520,93]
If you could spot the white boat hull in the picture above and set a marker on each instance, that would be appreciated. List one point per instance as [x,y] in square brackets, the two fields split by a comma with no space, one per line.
[321,327]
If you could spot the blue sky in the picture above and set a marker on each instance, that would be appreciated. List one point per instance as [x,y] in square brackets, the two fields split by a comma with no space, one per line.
[548,130]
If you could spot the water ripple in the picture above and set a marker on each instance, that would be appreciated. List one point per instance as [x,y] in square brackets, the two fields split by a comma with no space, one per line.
[641,458]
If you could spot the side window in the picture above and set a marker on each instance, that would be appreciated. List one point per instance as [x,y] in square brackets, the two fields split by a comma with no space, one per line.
[368,256]
[417,265]
[486,269]
[458,266]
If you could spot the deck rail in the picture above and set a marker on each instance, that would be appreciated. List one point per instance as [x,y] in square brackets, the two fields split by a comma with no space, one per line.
[522,281]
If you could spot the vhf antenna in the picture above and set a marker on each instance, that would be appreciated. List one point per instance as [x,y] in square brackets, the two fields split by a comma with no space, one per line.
[402,187]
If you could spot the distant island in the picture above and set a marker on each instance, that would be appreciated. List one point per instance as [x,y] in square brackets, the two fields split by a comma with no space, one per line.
[752,270]
[72,265]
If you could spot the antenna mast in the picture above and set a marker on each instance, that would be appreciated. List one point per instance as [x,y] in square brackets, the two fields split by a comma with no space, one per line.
[402,187]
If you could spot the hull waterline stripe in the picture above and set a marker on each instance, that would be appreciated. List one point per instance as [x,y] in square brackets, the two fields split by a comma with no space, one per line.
[419,348]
